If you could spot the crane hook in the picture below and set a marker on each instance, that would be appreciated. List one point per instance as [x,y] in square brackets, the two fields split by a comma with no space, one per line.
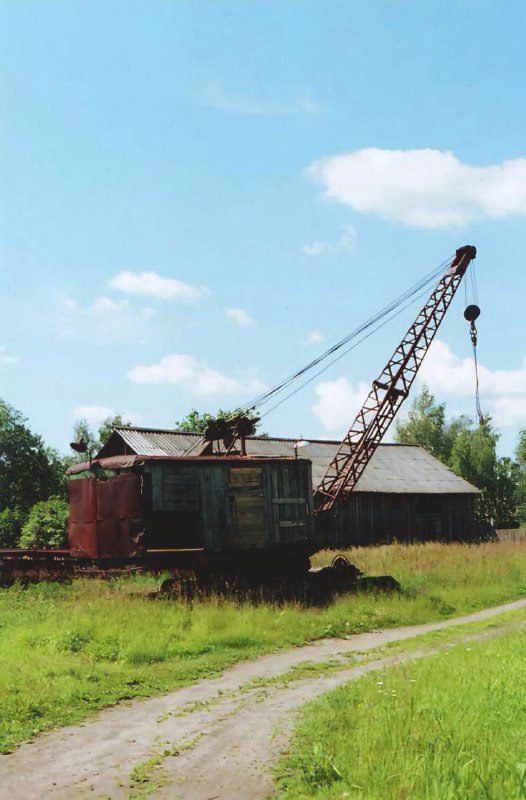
[471,314]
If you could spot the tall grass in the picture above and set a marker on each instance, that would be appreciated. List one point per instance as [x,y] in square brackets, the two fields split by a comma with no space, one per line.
[461,575]
[66,650]
[449,726]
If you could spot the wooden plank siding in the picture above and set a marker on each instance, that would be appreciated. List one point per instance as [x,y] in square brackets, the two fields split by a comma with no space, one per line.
[247,503]
[375,518]
[227,504]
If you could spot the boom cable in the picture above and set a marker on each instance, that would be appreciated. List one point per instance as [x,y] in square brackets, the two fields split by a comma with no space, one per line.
[390,311]
[344,353]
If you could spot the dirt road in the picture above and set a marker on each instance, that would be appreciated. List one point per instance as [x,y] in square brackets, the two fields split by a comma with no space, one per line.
[215,740]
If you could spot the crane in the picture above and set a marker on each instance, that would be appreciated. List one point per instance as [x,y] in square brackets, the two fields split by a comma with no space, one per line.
[387,393]
[389,390]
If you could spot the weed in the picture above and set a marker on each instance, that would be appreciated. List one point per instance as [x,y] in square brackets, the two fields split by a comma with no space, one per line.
[448,726]
[67,650]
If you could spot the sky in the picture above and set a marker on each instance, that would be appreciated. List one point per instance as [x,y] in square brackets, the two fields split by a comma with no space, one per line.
[201,196]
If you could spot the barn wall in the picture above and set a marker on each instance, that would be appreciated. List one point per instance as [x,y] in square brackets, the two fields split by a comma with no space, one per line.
[373,518]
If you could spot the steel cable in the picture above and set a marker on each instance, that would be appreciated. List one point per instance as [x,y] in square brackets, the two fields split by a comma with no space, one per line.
[384,313]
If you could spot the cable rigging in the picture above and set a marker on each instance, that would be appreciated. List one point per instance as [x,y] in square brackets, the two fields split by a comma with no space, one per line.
[387,312]
[402,367]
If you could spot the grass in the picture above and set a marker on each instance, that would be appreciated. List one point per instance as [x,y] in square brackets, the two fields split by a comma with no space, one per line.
[150,775]
[448,727]
[68,650]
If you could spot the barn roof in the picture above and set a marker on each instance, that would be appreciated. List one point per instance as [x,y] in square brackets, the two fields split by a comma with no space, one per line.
[393,469]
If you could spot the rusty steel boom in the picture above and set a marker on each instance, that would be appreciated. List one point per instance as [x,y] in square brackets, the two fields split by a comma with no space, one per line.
[389,391]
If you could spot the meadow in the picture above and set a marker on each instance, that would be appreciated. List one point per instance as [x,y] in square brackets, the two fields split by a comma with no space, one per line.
[447,727]
[69,649]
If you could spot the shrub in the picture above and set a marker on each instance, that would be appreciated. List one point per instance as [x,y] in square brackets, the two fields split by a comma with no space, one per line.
[46,524]
[11,524]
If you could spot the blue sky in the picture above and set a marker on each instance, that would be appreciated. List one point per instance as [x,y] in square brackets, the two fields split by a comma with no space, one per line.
[199,197]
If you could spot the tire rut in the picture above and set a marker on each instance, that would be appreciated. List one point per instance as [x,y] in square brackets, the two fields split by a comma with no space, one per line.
[214,740]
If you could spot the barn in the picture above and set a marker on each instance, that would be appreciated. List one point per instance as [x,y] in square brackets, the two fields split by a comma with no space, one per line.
[404,494]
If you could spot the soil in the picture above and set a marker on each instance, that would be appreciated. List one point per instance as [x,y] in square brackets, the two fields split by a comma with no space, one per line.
[215,740]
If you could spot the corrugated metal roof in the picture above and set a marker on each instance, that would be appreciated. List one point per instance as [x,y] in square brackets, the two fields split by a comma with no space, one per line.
[393,469]
[149,442]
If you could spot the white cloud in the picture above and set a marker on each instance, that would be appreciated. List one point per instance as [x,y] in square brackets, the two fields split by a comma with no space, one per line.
[101,321]
[94,415]
[449,378]
[101,306]
[422,188]
[338,403]
[313,337]
[239,316]
[194,376]
[503,392]
[214,96]
[150,284]
[105,305]
[346,242]
[7,360]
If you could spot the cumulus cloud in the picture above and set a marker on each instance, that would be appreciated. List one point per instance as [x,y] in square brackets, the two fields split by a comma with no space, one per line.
[503,391]
[240,316]
[150,284]
[346,242]
[103,320]
[422,188]
[338,403]
[6,359]
[313,337]
[106,305]
[215,96]
[448,377]
[100,306]
[194,376]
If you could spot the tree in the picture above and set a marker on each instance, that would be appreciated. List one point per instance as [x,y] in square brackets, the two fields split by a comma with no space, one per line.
[83,433]
[94,443]
[47,525]
[29,471]
[107,425]
[426,426]
[11,522]
[471,453]
[474,458]
[520,489]
[506,485]
[196,421]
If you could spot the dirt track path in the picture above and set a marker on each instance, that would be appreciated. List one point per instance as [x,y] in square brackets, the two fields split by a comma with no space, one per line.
[214,740]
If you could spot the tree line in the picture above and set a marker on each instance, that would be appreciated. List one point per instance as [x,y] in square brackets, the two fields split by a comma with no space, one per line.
[471,452]
[33,504]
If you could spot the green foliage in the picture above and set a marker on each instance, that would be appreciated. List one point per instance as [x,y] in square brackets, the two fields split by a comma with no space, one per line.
[29,471]
[11,523]
[520,490]
[94,442]
[107,425]
[471,453]
[426,426]
[412,731]
[46,524]
[196,421]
